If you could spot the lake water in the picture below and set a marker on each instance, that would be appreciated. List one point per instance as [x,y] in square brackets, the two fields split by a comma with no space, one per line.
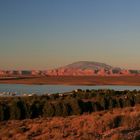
[43,89]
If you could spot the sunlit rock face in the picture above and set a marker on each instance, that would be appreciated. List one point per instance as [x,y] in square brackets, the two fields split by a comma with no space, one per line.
[125,72]
[1,72]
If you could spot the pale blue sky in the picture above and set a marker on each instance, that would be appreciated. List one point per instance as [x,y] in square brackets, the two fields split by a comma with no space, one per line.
[42,34]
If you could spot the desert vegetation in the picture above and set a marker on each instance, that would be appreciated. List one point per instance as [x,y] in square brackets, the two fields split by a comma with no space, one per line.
[113,124]
[74,103]
[81,115]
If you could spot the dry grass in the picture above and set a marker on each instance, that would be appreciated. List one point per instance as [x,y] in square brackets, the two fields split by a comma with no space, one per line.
[116,124]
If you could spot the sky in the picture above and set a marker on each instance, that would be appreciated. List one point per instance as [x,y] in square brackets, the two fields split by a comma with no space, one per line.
[44,34]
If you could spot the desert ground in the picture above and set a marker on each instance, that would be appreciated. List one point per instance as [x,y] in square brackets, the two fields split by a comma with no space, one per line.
[114,124]
[74,80]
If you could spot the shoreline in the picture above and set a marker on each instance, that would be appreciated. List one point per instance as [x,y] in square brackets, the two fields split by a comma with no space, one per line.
[74,80]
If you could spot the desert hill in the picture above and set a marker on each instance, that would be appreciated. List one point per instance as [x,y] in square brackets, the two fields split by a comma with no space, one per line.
[88,65]
[87,68]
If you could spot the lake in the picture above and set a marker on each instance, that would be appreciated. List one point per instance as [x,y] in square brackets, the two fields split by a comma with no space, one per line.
[43,89]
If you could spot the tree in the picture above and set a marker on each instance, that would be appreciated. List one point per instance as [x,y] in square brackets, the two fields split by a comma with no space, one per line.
[58,109]
[66,109]
[1,113]
[76,109]
[104,103]
[15,110]
[112,103]
[48,110]
[35,109]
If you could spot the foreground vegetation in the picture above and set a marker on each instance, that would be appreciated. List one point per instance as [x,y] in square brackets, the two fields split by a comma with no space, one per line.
[113,124]
[74,103]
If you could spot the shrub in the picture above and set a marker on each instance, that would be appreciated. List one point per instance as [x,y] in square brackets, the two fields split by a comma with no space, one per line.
[48,110]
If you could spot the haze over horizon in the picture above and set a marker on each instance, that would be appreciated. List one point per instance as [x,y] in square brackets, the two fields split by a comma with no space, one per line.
[50,33]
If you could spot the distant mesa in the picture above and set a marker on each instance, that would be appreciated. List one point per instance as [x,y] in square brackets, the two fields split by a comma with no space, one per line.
[80,68]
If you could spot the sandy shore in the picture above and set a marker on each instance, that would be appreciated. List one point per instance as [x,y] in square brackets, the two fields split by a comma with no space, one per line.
[74,80]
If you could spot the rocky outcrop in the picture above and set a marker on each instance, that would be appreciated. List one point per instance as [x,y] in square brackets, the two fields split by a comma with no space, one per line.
[87,72]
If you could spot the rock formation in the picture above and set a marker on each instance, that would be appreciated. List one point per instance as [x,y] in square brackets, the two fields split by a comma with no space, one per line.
[81,68]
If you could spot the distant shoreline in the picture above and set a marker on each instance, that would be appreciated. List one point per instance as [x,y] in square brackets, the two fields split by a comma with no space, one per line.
[73,80]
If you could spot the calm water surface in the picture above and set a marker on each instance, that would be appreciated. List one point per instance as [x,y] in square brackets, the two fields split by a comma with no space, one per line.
[43,89]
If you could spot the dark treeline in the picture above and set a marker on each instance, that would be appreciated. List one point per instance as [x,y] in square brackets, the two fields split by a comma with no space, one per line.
[74,103]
